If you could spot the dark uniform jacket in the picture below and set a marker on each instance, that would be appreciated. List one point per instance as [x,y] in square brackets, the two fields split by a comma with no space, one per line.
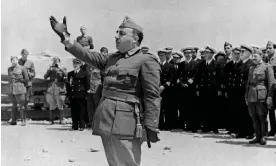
[187,71]
[77,84]
[167,74]
[130,85]
[209,79]
[29,65]
[260,80]
[57,80]
[18,79]
[236,76]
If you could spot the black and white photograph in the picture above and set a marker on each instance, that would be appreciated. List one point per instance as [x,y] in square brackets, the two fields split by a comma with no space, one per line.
[138,83]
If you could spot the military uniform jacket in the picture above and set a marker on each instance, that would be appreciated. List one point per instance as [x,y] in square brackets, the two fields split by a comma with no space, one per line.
[236,76]
[167,74]
[94,80]
[187,71]
[57,80]
[29,65]
[77,84]
[260,80]
[18,79]
[209,79]
[128,79]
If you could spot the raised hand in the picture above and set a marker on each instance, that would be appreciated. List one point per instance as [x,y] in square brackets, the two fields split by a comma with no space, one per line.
[59,28]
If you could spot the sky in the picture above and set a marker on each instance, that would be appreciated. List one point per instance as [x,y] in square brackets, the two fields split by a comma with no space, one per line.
[176,23]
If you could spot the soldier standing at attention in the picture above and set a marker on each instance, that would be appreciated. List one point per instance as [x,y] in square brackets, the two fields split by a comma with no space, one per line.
[130,87]
[166,79]
[56,91]
[85,40]
[29,65]
[18,81]
[186,74]
[270,47]
[76,91]
[258,95]
[209,85]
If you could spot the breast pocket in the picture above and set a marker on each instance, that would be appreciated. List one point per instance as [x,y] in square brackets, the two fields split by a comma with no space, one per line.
[128,77]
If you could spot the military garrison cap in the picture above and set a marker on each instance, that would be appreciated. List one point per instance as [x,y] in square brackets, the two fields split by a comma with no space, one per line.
[177,55]
[258,51]
[75,60]
[209,49]
[250,49]
[187,49]
[56,58]
[270,43]
[129,23]
[227,44]
[24,51]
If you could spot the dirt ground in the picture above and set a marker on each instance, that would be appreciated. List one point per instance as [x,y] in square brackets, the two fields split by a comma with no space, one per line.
[39,144]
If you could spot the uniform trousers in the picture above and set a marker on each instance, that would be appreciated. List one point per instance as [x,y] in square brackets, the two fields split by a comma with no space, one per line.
[272,120]
[18,99]
[122,152]
[92,103]
[187,111]
[78,107]
[209,110]
[258,113]
[55,101]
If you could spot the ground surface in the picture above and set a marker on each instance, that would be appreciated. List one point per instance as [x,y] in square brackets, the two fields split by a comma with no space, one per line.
[39,144]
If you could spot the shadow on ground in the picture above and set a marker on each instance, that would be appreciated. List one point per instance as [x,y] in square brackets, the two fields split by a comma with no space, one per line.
[245,144]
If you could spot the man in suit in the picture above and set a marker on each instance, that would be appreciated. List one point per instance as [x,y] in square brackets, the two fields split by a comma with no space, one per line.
[166,78]
[76,91]
[29,65]
[209,82]
[186,75]
[270,47]
[258,95]
[195,56]
[130,87]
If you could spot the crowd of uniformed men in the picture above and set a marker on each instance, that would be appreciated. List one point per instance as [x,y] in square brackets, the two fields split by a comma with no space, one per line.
[203,90]
[211,90]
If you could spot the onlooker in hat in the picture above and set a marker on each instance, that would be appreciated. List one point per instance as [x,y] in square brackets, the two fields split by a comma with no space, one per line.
[168,51]
[272,61]
[195,56]
[77,87]
[209,81]
[265,56]
[166,120]
[220,57]
[258,95]
[29,65]
[188,119]
[85,40]
[56,91]
[17,83]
